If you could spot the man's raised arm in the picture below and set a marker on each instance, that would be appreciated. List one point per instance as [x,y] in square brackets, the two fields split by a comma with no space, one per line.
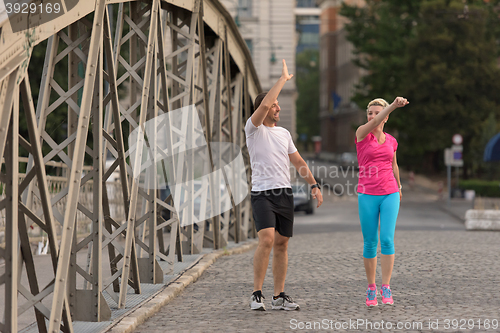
[261,112]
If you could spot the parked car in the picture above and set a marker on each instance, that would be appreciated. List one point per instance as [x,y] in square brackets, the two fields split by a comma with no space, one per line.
[302,199]
[197,185]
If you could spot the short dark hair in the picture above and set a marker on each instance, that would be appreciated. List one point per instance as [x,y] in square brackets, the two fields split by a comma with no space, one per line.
[259,99]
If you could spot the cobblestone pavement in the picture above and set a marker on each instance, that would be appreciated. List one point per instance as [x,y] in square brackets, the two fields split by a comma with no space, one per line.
[441,272]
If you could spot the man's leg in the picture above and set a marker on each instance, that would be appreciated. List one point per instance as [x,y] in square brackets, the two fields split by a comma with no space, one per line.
[280,262]
[261,257]
[281,301]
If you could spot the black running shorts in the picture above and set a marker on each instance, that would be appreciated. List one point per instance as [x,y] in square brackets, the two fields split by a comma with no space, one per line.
[273,209]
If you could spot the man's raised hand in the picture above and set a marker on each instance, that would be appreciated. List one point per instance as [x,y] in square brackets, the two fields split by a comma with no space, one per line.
[284,73]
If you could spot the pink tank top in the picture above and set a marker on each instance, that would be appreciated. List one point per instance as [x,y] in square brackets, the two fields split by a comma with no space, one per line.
[376,176]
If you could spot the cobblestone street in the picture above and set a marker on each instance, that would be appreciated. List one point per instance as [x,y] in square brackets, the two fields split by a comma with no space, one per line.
[441,273]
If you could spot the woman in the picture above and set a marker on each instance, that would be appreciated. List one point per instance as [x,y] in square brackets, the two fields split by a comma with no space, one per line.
[379,194]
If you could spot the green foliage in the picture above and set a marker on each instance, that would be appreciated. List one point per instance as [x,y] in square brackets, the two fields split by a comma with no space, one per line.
[56,125]
[307,80]
[57,121]
[483,188]
[454,89]
[485,170]
[440,55]
[379,32]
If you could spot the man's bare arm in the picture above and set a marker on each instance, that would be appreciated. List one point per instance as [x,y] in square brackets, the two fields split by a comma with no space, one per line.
[301,166]
[261,112]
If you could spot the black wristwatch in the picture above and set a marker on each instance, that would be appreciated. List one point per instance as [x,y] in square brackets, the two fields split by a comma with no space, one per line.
[316,185]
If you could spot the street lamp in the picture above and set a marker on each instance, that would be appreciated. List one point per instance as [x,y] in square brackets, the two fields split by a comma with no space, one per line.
[273,59]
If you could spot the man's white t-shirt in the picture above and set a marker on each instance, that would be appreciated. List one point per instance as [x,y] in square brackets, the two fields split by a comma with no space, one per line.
[269,148]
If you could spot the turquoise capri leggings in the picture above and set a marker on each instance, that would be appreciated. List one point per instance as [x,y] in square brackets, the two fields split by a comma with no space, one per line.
[370,208]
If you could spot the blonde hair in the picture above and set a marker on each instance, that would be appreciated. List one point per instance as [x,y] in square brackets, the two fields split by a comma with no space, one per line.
[378,101]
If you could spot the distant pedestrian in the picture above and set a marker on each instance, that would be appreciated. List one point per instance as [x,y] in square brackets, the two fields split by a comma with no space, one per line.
[379,194]
[411,180]
[271,150]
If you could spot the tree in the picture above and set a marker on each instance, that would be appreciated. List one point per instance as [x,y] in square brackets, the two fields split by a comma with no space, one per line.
[307,80]
[452,81]
[379,32]
[485,170]
[439,54]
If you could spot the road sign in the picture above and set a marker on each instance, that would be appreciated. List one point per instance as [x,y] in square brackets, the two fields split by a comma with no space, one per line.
[457,139]
[453,156]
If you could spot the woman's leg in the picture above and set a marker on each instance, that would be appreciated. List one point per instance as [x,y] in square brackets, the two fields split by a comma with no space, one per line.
[389,210]
[370,269]
[368,208]
[387,262]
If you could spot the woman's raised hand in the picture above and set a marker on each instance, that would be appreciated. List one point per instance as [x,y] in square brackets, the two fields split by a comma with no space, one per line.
[284,73]
[400,102]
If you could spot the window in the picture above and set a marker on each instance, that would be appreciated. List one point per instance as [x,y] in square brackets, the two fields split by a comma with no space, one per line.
[245,8]
[306,4]
[309,38]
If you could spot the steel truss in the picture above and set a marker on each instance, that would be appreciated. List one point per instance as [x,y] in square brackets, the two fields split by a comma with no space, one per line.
[162,55]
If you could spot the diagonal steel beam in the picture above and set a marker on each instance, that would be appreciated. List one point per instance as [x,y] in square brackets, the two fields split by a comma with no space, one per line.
[6,100]
[39,165]
[11,227]
[113,113]
[75,174]
[135,181]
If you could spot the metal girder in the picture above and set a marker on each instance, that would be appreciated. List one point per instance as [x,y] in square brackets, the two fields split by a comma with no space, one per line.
[33,296]
[113,129]
[75,175]
[89,296]
[182,33]
[169,219]
[6,100]
[212,239]
[10,252]
[37,165]
[151,271]
[205,98]
[129,258]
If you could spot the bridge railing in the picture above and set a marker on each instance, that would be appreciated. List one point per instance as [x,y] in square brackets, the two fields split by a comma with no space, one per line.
[55,185]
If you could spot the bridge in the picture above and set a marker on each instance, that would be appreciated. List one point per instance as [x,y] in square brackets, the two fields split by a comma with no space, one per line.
[111,69]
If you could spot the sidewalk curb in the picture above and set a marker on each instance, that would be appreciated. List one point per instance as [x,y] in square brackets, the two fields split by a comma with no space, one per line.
[447,210]
[174,288]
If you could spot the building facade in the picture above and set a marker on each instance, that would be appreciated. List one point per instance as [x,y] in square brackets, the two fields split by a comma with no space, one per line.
[338,114]
[307,14]
[268,28]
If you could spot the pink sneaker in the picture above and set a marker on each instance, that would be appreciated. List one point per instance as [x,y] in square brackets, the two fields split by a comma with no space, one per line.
[386,293]
[371,297]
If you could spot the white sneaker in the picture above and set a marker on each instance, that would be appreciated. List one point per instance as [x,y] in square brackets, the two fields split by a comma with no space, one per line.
[284,302]
[256,302]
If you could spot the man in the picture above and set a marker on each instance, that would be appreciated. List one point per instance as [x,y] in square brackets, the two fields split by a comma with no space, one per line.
[271,150]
